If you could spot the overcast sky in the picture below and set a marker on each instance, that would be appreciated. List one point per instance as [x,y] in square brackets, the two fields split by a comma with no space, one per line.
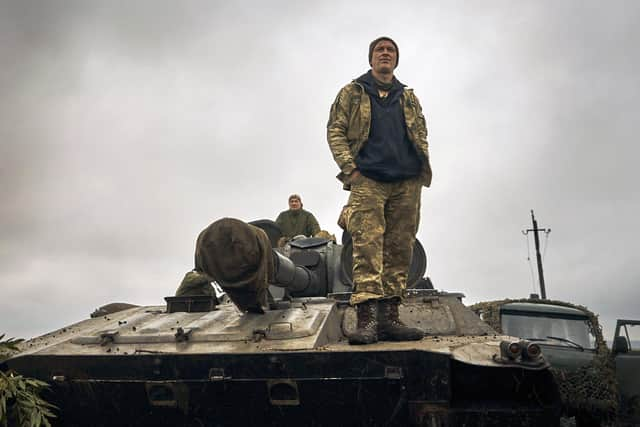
[126,127]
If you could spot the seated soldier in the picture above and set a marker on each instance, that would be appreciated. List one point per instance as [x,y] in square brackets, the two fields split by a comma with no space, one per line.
[296,220]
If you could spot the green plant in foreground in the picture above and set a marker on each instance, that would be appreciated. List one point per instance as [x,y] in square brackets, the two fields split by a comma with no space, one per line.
[20,401]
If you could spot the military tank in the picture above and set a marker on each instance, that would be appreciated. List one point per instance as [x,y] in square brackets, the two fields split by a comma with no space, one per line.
[257,336]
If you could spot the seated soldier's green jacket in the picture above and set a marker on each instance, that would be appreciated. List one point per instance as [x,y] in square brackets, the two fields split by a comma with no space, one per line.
[295,222]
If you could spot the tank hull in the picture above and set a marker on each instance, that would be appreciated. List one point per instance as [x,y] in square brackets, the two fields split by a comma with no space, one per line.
[205,361]
[409,387]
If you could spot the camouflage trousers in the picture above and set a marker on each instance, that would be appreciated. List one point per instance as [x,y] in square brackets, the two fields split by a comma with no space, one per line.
[382,218]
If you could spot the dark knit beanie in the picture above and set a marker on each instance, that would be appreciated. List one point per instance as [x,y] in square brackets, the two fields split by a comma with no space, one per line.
[379,39]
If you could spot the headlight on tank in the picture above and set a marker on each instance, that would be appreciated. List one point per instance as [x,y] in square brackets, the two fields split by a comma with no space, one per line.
[511,350]
[520,352]
[533,351]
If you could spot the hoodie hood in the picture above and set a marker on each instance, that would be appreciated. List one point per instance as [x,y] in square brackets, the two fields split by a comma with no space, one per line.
[372,85]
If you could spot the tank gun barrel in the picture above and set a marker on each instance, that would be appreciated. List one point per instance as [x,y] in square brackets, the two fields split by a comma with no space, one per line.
[293,277]
[239,257]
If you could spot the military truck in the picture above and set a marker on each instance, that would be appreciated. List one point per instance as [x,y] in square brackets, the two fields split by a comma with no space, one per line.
[626,354]
[246,357]
[572,341]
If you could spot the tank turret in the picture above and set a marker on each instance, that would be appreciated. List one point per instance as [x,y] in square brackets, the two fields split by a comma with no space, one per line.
[242,258]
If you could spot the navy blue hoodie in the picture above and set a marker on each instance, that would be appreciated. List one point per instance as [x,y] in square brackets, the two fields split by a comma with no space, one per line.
[388,155]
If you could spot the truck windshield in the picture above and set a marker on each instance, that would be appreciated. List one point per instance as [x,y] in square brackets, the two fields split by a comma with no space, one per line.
[543,327]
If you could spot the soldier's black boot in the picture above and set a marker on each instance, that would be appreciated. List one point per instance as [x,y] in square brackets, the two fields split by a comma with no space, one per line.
[367,330]
[390,328]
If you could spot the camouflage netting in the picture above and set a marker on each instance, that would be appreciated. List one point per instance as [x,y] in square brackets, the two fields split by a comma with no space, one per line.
[630,411]
[195,283]
[591,389]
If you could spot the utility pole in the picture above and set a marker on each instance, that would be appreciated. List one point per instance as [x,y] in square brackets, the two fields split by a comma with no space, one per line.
[535,229]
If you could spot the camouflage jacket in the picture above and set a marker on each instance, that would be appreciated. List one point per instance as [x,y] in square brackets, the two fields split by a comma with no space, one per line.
[350,121]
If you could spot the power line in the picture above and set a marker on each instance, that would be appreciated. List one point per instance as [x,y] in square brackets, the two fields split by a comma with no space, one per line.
[533,279]
[546,243]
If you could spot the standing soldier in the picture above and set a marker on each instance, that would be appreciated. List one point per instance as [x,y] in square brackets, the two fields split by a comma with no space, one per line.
[378,137]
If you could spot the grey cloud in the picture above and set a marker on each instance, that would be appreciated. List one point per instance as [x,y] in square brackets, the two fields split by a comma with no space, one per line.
[126,128]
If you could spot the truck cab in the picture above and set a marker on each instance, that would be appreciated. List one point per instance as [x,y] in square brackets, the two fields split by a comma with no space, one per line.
[564,333]
[626,353]
[572,342]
